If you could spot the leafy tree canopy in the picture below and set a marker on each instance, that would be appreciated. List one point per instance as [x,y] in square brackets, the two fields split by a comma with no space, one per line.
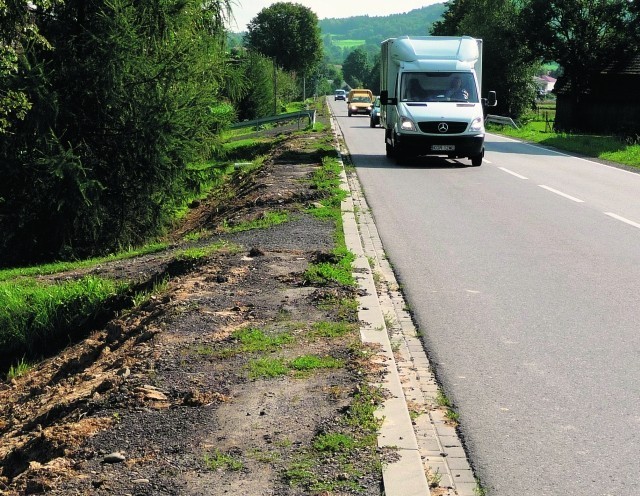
[583,35]
[289,33]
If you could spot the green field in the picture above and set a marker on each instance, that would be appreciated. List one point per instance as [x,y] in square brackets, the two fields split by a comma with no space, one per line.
[348,43]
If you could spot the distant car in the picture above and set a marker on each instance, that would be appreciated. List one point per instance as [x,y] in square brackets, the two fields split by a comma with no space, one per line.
[340,95]
[374,116]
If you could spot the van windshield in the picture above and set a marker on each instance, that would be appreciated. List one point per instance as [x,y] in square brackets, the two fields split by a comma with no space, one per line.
[438,87]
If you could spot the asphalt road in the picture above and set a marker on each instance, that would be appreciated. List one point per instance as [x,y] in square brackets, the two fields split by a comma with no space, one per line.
[523,275]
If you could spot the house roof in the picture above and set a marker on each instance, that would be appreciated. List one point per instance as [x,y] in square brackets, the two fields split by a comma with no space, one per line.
[630,66]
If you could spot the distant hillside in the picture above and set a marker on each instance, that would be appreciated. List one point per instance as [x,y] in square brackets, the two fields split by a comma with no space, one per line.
[373,28]
[341,36]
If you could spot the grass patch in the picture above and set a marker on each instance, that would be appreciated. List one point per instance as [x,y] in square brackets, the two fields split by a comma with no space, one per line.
[312,362]
[202,252]
[222,461]
[57,267]
[252,340]
[325,273]
[352,441]
[347,43]
[267,368]
[33,313]
[268,219]
[327,329]
[611,148]
[333,442]
[20,369]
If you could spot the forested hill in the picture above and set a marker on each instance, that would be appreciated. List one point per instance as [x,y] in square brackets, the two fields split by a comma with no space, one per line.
[374,29]
[341,36]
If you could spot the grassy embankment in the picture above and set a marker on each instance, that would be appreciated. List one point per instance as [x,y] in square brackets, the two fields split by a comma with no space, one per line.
[38,315]
[538,128]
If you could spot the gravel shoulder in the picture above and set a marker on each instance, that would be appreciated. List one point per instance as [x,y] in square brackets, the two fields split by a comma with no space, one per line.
[173,396]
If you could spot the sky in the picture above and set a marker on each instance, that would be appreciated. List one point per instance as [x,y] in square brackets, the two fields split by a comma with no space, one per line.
[245,10]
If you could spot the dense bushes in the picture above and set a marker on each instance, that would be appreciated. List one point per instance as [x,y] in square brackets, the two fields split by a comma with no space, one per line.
[125,99]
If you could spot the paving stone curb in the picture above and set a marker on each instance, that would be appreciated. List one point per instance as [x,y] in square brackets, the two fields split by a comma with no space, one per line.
[432,457]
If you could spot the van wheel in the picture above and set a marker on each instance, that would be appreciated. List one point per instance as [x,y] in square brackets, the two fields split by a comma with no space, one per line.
[476,160]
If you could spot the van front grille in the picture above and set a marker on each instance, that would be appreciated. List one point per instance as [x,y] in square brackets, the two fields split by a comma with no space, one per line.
[442,127]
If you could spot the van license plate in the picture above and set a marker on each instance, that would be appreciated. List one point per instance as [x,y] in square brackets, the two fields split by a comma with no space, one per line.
[443,148]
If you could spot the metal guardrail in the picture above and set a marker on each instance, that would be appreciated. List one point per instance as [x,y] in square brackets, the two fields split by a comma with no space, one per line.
[309,114]
[498,119]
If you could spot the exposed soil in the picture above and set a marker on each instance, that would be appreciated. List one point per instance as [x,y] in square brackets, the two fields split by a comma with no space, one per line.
[140,405]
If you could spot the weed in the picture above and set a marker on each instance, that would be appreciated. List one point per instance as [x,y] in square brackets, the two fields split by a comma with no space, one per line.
[311,362]
[434,478]
[268,219]
[264,456]
[267,367]
[20,369]
[389,321]
[442,400]
[253,340]
[452,416]
[327,329]
[333,442]
[222,461]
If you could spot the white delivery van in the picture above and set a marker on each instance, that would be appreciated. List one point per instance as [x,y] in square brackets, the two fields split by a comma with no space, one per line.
[431,100]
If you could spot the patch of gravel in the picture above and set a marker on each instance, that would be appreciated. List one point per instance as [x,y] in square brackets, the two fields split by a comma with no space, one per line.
[146,403]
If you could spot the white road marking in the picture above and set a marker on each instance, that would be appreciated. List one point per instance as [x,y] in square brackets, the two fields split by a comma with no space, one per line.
[626,221]
[512,173]
[572,198]
[485,160]
[514,140]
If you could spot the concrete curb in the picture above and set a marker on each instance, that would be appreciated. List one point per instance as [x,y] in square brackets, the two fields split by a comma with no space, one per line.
[431,455]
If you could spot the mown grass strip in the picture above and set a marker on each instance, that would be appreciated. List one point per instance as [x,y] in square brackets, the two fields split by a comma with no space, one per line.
[57,267]
[611,148]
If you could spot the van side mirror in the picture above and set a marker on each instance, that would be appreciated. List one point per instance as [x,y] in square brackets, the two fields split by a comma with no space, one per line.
[492,101]
[385,100]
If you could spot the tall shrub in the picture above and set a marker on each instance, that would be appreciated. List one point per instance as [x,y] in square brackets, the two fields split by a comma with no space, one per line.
[125,100]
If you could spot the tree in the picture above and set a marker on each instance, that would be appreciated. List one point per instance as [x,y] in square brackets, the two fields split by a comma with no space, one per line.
[582,35]
[508,63]
[127,99]
[356,68]
[288,33]
[17,31]
[259,99]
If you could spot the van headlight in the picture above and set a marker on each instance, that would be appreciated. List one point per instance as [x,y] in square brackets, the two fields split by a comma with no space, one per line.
[476,125]
[407,124]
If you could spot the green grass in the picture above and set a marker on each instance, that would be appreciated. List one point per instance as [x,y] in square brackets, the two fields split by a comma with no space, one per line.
[202,252]
[312,362]
[348,43]
[334,442]
[57,267]
[267,368]
[33,313]
[222,461]
[354,436]
[268,219]
[252,340]
[328,329]
[20,369]
[610,148]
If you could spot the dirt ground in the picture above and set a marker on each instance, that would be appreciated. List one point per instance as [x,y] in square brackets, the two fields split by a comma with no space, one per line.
[161,400]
